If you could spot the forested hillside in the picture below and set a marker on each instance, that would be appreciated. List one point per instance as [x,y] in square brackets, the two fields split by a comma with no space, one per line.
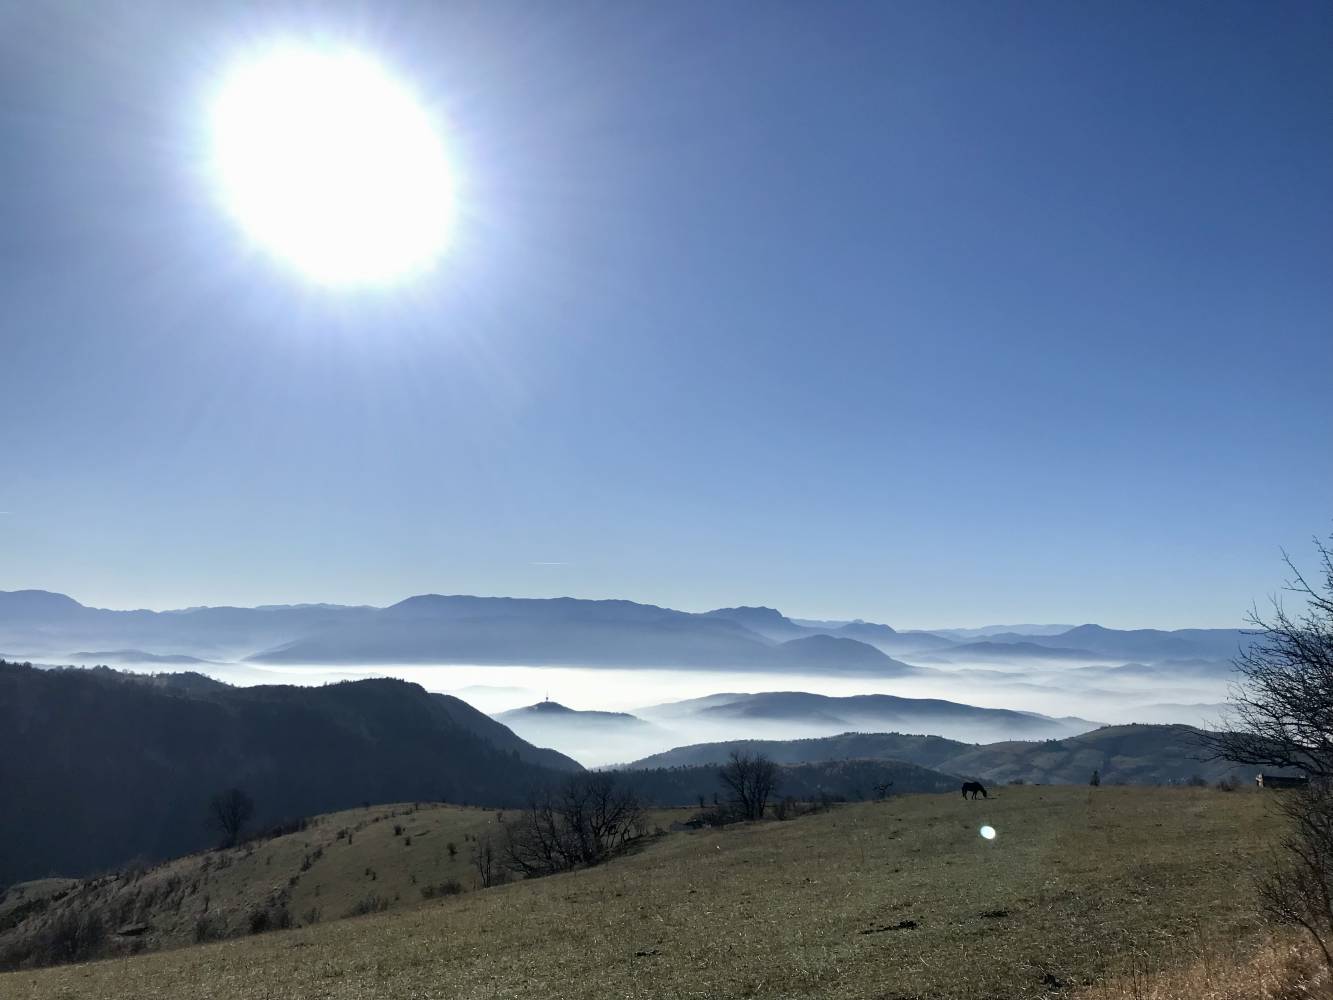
[100,767]
[1141,755]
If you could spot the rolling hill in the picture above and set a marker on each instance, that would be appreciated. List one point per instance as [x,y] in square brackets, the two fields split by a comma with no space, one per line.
[337,864]
[839,780]
[1137,754]
[882,711]
[868,900]
[927,751]
[553,710]
[137,759]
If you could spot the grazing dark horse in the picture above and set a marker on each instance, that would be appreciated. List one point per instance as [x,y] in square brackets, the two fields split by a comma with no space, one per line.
[975,787]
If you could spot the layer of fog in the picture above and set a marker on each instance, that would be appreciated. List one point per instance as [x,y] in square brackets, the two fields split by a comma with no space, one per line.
[1191,693]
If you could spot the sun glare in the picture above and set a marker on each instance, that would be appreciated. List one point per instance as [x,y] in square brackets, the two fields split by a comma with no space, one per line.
[331,165]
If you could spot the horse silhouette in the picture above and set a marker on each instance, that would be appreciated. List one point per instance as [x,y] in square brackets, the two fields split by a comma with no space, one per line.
[974,787]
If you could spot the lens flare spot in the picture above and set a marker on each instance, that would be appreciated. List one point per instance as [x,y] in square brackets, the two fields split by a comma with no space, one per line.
[988,832]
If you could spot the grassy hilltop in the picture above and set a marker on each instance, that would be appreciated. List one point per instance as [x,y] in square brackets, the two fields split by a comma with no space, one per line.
[897,899]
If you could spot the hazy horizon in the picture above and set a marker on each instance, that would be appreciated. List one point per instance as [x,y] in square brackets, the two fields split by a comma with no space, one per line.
[884,619]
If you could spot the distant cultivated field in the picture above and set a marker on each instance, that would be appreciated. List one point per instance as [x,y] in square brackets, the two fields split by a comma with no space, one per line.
[901,899]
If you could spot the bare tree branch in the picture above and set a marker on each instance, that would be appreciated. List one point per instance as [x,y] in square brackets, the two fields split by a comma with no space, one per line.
[1283,703]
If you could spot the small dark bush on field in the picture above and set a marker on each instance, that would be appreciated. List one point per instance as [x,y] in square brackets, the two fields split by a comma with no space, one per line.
[274,918]
[371,904]
[450,887]
[208,928]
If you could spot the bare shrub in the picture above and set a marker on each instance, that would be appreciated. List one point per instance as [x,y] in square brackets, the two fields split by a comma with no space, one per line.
[370,904]
[588,819]
[274,917]
[71,936]
[1298,888]
[717,815]
[450,887]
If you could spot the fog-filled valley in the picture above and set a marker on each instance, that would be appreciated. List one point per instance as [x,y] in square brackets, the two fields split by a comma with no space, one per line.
[609,682]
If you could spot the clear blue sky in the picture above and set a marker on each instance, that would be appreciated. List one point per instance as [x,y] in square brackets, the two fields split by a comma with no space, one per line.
[925,313]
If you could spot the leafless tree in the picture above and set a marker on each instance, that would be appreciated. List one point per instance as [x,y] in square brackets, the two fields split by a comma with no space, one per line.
[587,819]
[228,812]
[1283,716]
[752,779]
[485,861]
[1284,719]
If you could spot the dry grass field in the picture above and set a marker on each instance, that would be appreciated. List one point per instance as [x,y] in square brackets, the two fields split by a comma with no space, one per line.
[1286,967]
[377,858]
[901,899]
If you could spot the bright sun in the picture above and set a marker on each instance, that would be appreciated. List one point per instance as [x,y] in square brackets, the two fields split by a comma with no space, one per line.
[331,165]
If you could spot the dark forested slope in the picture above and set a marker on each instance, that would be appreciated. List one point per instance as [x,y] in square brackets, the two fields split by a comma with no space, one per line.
[99,767]
[1135,754]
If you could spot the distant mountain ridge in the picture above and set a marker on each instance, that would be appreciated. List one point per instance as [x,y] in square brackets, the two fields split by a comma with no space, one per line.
[985,649]
[133,656]
[564,631]
[1149,643]
[433,628]
[985,631]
